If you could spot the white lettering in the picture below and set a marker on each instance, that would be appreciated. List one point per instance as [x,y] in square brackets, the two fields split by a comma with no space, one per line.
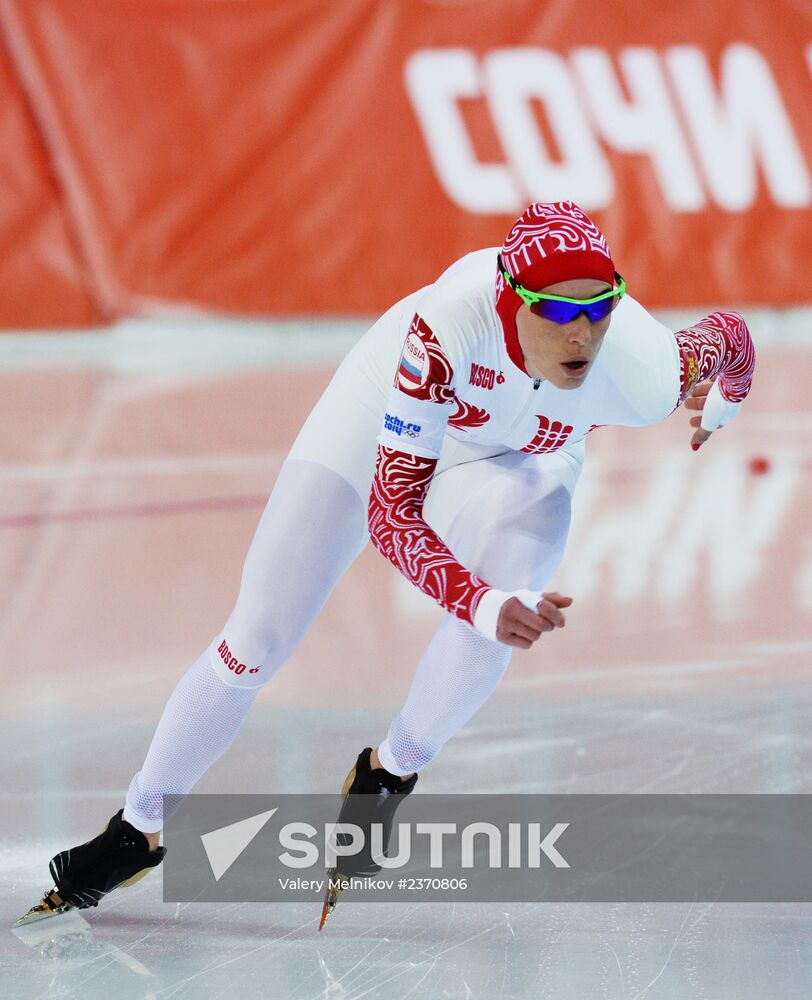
[514,845]
[316,884]
[494,836]
[307,854]
[730,517]
[435,80]
[536,848]
[333,850]
[404,846]
[743,126]
[645,124]
[436,831]
[513,78]
[745,123]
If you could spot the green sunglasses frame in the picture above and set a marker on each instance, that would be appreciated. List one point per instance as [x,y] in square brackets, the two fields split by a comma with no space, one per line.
[529,298]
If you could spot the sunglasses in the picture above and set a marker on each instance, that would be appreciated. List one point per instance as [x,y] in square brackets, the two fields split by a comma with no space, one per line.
[559,309]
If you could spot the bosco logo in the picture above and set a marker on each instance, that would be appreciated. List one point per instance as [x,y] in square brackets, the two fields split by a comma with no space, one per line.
[232,662]
[484,377]
[413,368]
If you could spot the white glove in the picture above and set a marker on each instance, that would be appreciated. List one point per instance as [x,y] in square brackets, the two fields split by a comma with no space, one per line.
[717,411]
[490,604]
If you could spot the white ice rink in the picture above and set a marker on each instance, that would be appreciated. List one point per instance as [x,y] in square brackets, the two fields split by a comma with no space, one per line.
[130,481]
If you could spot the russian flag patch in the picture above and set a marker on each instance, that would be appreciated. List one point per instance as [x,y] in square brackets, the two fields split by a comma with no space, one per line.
[413,370]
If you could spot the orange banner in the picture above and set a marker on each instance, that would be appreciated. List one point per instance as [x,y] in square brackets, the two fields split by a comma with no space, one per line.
[40,272]
[305,157]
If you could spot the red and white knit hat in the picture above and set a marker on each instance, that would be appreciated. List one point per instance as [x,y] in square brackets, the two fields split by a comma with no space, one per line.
[549,242]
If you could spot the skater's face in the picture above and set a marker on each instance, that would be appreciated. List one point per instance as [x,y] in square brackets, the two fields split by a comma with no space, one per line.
[562,353]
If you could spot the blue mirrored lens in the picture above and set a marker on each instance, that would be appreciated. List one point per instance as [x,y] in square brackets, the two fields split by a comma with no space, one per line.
[566,312]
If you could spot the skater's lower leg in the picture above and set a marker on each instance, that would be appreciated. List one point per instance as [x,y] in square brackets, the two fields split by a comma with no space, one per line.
[200,721]
[375,763]
[294,561]
[154,838]
[455,676]
[511,531]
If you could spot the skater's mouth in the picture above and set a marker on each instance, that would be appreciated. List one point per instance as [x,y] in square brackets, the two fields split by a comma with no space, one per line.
[575,367]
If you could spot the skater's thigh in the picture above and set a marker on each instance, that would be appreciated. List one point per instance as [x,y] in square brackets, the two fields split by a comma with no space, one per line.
[313,527]
[342,429]
[315,523]
[507,517]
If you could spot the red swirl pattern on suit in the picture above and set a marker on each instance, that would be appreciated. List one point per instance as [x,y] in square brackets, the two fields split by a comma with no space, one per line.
[399,532]
[717,346]
[424,372]
[434,380]
[468,416]
[550,436]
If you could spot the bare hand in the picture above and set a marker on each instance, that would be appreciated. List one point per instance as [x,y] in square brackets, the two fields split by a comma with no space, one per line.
[696,401]
[520,627]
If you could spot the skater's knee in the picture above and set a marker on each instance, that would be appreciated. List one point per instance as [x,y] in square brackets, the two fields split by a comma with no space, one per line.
[253,646]
[235,664]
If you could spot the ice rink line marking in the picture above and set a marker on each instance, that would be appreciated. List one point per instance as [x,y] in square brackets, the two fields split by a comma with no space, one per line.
[129,468]
[208,506]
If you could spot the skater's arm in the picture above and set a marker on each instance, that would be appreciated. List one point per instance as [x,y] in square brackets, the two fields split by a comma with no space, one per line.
[409,445]
[415,421]
[655,369]
[717,347]
[717,360]
[400,533]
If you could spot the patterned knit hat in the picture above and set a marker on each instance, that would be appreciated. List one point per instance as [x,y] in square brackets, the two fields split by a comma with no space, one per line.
[550,242]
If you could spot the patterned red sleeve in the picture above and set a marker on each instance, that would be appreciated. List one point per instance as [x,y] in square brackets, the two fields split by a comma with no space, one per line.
[398,531]
[718,346]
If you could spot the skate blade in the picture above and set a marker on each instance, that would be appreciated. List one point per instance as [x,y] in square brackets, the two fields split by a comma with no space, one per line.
[43,911]
[336,884]
[345,788]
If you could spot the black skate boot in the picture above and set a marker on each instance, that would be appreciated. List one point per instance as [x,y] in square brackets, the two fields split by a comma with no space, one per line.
[119,856]
[370,796]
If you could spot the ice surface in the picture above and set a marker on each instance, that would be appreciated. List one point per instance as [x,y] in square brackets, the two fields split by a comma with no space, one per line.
[127,499]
